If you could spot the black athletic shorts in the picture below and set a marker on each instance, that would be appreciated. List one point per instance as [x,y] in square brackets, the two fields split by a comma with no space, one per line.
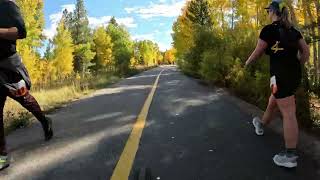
[286,87]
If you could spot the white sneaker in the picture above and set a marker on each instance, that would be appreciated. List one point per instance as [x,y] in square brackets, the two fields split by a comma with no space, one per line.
[287,160]
[258,126]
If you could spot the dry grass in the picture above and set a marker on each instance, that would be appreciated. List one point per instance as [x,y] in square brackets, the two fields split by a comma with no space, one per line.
[15,116]
[315,110]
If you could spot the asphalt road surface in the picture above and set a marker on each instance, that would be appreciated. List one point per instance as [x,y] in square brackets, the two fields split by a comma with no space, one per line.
[192,132]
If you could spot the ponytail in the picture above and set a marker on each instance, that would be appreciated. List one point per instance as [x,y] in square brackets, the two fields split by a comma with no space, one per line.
[285,19]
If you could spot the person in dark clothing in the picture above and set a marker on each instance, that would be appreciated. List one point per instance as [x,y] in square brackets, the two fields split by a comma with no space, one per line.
[14,79]
[288,51]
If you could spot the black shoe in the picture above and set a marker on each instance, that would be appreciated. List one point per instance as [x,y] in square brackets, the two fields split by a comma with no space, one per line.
[4,162]
[48,132]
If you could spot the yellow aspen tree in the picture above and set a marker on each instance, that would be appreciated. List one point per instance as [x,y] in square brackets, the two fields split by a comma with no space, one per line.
[32,12]
[63,52]
[103,48]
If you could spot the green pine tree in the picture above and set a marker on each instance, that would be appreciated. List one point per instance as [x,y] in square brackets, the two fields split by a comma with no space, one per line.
[78,24]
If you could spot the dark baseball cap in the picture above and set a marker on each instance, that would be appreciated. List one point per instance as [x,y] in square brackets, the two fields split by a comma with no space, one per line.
[274,5]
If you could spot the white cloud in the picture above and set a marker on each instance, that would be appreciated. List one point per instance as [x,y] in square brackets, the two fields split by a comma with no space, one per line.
[162,9]
[128,22]
[101,21]
[93,21]
[51,31]
[54,20]
[148,36]
[164,46]
[69,7]
[104,20]
[169,32]
[152,37]
[140,37]
[129,10]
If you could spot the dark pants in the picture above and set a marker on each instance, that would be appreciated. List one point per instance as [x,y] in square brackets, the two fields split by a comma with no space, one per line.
[28,102]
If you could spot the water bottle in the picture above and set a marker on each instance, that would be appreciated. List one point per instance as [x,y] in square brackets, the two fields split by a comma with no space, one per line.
[21,89]
[273,85]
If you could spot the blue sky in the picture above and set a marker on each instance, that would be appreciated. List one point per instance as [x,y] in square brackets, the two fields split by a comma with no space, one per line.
[144,19]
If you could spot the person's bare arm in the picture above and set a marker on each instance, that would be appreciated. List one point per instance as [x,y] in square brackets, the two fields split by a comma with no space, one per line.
[9,33]
[304,51]
[258,52]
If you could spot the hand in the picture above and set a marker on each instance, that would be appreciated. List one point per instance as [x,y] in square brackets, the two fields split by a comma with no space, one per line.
[247,64]
[9,33]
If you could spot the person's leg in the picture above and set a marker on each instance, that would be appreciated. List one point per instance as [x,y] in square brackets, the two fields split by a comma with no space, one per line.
[4,160]
[270,112]
[3,150]
[268,116]
[288,158]
[31,104]
[287,107]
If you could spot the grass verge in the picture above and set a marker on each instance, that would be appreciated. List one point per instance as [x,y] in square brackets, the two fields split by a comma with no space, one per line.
[15,116]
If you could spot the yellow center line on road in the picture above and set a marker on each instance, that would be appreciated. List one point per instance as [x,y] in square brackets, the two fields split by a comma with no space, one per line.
[124,165]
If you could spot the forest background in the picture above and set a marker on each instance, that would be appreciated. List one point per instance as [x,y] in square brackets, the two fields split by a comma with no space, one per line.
[214,38]
[78,59]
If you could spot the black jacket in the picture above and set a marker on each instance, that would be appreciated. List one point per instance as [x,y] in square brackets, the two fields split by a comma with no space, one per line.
[12,69]
[10,16]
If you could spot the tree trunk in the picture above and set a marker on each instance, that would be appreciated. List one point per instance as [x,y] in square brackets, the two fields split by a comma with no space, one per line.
[305,16]
[232,17]
[257,13]
[222,16]
[317,3]
[313,34]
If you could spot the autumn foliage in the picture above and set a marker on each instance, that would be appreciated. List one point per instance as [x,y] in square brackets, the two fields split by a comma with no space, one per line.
[78,51]
[213,39]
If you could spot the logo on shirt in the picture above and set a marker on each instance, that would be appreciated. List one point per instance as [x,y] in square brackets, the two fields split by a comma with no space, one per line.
[276,47]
